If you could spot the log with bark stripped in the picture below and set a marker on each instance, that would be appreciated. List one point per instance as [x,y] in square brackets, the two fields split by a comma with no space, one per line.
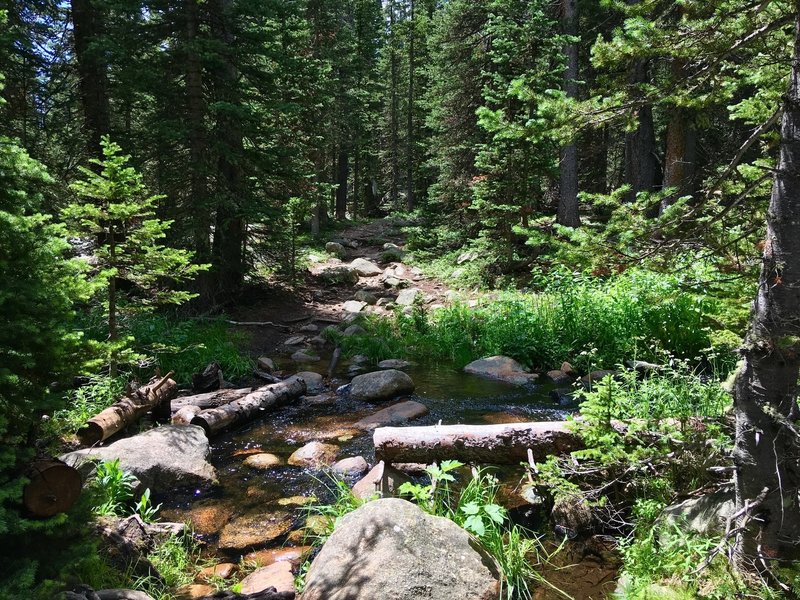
[128,410]
[269,396]
[493,444]
[209,399]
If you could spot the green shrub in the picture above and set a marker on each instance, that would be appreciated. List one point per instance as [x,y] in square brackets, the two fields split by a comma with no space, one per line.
[81,404]
[113,488]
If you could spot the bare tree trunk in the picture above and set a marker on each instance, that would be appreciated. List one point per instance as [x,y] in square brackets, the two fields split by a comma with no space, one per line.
[342,170]
[568,189]
[394,188]
[679,156]
[410,115]
[93,79]
[641,162]
[767,451]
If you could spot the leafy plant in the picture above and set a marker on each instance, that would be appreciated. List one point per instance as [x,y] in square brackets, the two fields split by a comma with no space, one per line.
[114,488]
[144,508]
[83,403]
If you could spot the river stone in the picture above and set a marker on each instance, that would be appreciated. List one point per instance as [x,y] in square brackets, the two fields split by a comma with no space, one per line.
[221,571]
[297,500]
[251,531]
[264,558]
[381,385]
[391,549]
[194,591]
[394,415]
[266,364]
[558,376]
[354,466]
[309,328]
[354,306]
[295,340]
[395,363]
[382,481]
[209,519]
[262,461]
[336,249]
[303,356]
[366,268]
[162,459]
[385,301]
[314,455]
[118,594]
[314,383]
[407,297]
[365,296]
[501,368]
[277,575]
[320,399]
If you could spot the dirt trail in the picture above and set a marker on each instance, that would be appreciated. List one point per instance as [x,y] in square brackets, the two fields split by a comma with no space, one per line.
[314,301]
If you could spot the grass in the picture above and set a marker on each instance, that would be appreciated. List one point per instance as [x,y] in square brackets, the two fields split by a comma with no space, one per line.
[590,322]
[81,404]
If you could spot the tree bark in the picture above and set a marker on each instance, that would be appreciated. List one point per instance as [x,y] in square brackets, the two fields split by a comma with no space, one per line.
[568,188]
[216,419]
[410,115]
[209,399]
[681,142]
[53,487]
[767,450]
[343,171]
[92,73]
[394,117]
[493,444]
[641,162]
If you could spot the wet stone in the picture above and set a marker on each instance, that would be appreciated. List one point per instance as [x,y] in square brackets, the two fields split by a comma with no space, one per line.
[252,531]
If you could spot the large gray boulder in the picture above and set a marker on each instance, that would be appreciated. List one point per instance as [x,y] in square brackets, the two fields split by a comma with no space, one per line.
[501,368]
[394,415]
[366,268]
[162,459]
[391,549]
[705,515]
[380,385]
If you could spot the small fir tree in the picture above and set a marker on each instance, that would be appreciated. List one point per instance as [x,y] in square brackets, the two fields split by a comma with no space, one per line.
[118,213]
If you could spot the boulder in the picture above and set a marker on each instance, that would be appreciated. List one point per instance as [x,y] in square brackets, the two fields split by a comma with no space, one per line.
[353,330]
[295,340]
[395,363]
[572,516]
[209,518]
[221,571]
[394,282]
[397,414]
[336,274]
[314,382]
[558,376]
[380,385]
[278,575]
[355,466]
[385,301]
[336,249]
[501,368]
[407,297]
[303,356]
[309,328]
[365,296]
[162,459]
[264,558]
[568,369]
[366,268]
[262,461]
[465,257]
[252,531]
[266,364]
[314,455]
[354,306]
[705,515]
[382,481]
[392,550]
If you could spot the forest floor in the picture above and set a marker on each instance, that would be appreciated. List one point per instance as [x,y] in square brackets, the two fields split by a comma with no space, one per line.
[313,300]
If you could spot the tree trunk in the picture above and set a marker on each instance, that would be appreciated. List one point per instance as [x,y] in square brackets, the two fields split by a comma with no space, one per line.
[216,419]
[410,115]
[53,487]
[394,150]
[209,399]
[679,156]
[641,162]
[568,189]
[492,444]
[92,76]
[767,451]
[343,171]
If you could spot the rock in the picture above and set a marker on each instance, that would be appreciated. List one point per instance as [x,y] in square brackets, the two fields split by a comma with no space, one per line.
[354,306]
[366,268]
[194,591]
[294,556]
[390,549]
[572,516]
[354,330]
[277,575]
[302,356]
[355,466]
[318,524]
[336,249]
[381,385]
[395,363]
[121,594]
[359,359]
[314,382]
[407,297]
[458,273]
[310,328]
[162,459]
[352,318]
[397,414]
[314,455]
[318,341]
[385,301]
[336,274]
[297,500]
[642,366]
[394,282]
[588,380]
[295,340]
[220,571]
[705,515]
[209,519]
[365,296]
[568,369]
[501,368]
[382,481]
[563,396]
[262,461]
[391,246]
[266,364]
[320,400]
[558,376]
[408,310]
[252,531]
[466,257]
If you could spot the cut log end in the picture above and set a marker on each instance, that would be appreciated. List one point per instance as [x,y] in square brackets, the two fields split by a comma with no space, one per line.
[90,434]
[54,488]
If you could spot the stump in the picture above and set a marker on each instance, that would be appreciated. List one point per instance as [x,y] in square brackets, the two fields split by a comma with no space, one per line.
[54,488]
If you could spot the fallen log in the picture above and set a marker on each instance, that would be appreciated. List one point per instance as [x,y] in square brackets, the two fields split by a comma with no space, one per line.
[128,410]
[209,399]
[269,396]
[53,488]
[492,444]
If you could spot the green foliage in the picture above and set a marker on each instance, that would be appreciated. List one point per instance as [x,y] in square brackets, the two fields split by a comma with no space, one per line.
[145,509]
[177,560]
[81,404]
[113,487]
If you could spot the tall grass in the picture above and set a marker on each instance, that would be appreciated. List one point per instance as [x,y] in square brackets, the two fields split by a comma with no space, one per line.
[589,322]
